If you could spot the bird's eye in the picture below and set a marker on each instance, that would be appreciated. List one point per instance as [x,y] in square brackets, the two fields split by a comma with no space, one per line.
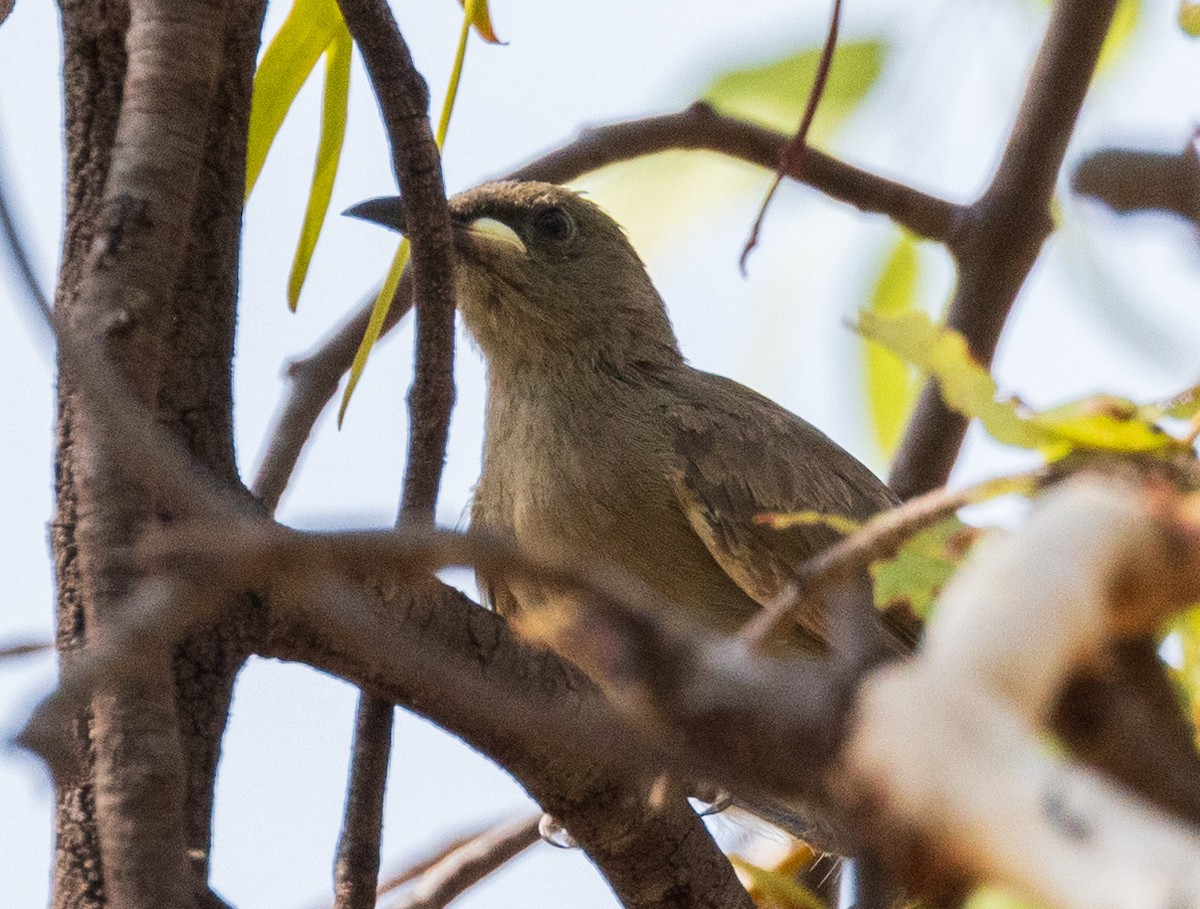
[554,224]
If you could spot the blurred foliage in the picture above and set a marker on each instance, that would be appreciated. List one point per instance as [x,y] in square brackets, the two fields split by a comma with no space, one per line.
[915,577]
[776,888]
[891,383]
[1099,422]
[774,94]
[1187,629]
[997,898]
[1189,17]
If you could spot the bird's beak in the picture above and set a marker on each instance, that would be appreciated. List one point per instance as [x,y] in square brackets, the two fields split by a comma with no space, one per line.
[489,230]
[386,210]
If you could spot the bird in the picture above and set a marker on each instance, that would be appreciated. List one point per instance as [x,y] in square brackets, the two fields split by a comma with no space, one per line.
[602,442]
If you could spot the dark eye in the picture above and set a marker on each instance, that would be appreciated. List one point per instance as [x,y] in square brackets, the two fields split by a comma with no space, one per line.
[554,224]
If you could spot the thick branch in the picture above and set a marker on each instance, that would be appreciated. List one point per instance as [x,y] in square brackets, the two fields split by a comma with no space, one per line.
[123,297]
[1000,237]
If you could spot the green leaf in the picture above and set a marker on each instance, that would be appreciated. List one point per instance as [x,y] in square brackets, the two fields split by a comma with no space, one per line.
[379,312]
[775,93]
[1104,422]
[308,30]
[1099,422]
[891,385]
[965,385]
[922,566]
[329,151]
[1189,18]
[477,15]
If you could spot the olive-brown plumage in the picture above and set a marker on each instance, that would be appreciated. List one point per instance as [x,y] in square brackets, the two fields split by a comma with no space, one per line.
[602,442]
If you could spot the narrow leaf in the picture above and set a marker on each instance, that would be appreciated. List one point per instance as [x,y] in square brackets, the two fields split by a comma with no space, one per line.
[384,301]
[329,151]
[307,31]
[891,385]
[379,313]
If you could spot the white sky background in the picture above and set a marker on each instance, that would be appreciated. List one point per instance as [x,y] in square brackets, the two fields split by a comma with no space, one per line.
[1110,307]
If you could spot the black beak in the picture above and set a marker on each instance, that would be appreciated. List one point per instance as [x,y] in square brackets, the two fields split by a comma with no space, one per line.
[386,210]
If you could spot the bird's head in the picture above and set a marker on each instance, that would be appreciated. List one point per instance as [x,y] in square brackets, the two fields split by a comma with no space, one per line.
[546,277]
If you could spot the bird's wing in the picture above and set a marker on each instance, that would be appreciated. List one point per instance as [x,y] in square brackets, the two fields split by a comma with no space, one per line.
[738,455]
[486,509]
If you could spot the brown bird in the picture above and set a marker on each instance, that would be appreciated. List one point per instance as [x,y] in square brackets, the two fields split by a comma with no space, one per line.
[602,442]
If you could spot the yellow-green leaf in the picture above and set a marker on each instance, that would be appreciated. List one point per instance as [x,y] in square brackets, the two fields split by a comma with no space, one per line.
[891,385]
[775,93]
[915,576]
[379,313]
[998,898]
[1102,421]
[965,385]
[1183,406]
[308,30]
[1124,23]
[1187,628]
[471,14]
[1098,422]
[775,888]
[1189,17]
[329,151]
[477,14]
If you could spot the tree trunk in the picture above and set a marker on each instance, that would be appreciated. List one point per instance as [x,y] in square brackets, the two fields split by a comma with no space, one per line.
[180,366]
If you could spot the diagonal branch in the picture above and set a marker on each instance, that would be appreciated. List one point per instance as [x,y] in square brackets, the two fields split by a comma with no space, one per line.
[1002,233]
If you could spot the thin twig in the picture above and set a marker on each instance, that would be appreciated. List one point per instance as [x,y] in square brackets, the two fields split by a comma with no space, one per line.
[793,155]
[469,863]
[20,254]
[1003,231]
[9,651]
[879,538]
[404,102]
